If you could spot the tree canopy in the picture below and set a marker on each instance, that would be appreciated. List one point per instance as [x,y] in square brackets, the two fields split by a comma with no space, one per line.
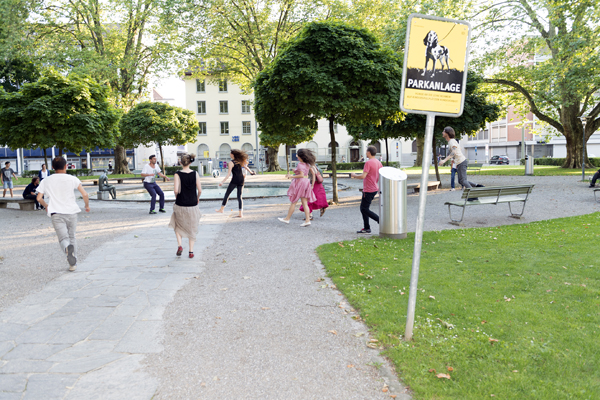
[477,111]
[550,65]
[331,71]
[159,123]
[71,112]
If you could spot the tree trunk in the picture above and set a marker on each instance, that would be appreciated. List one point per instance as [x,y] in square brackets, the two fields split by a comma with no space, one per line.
[573,132]
[121,164]
[420,146]
[333,160]
[46,159]
[272,153]
[387,154]
[287,158]
[437,171]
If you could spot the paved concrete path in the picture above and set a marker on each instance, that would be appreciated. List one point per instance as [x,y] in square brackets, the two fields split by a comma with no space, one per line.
[84,335]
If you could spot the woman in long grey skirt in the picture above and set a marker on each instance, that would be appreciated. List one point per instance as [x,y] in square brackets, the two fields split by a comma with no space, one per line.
[186,214]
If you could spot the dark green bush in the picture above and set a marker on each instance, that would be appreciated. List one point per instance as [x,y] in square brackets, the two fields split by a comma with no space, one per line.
[80,172]
[353,165]
[29,174]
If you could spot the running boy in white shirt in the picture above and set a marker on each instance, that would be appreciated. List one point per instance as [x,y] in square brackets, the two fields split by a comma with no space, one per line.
[62,207]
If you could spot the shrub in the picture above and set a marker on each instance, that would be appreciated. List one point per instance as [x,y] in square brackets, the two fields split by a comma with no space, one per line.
[80,172]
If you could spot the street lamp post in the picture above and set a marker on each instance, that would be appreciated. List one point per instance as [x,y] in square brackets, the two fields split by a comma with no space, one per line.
[583,119]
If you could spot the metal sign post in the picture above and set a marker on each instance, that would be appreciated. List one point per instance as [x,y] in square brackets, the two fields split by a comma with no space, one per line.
[437,89]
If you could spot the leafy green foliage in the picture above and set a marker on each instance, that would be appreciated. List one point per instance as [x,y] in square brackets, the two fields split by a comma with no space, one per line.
[160,123]
[550,65]
[522,300]
[71,112]
[331,71]
[14,73]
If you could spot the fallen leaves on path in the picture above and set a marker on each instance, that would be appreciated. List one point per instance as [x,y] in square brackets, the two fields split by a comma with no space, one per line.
[332,331]
[443,376]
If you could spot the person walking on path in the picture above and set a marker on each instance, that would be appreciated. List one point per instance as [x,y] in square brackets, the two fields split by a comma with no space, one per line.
[319,191]
[301,186]
[186,214]
[149,173]
[30,191]
[239,162]
[63,208]
[370,178]
[43,172]
[7,174]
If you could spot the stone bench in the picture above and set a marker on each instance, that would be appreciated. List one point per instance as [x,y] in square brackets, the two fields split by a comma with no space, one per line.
[119,180]
[24,204]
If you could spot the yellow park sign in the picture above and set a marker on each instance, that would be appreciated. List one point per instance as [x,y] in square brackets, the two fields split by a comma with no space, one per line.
[435,66]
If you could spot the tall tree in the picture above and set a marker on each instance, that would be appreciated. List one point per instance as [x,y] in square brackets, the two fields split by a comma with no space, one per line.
[160,123]
[550,65]
[332,71]
[240,39]
[118,41]
[71,112]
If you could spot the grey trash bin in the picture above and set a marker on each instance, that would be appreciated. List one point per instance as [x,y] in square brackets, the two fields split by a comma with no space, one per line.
[210,167]
[392,203]
[528,165]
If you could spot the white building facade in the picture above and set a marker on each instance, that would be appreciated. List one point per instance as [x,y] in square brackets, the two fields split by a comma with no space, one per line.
[226,121]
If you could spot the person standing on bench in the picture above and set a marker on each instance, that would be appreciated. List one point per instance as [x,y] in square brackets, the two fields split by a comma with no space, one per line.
[149,173]
[63,207]
[460,161]
[370,188]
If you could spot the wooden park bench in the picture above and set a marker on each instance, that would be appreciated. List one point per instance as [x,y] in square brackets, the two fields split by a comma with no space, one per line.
[596,191]
[24,204]
[475,167]
[491,195]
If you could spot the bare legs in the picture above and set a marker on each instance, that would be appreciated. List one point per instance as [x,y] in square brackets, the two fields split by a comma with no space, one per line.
[179,240]
[292,208]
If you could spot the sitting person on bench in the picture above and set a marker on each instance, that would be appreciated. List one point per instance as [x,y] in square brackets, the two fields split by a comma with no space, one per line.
[595,178]
[103,185]
[30,192]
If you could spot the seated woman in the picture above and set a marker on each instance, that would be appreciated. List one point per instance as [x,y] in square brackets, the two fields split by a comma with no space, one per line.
[29,192]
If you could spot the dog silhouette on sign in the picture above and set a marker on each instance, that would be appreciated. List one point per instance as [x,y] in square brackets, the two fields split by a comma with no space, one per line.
[435,52]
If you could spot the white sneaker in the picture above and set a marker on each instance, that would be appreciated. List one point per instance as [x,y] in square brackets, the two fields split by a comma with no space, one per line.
[305,224]
[283,220]
[72,267]
[452,189]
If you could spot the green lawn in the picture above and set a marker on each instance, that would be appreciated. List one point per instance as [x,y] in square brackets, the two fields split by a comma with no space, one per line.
[524,301]
[26,181]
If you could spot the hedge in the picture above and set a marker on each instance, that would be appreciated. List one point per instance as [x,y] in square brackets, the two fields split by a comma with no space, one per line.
[80,172]
[172,170]
[556,161]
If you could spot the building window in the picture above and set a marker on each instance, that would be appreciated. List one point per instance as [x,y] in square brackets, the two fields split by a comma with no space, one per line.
[200,86]
[223,85]
[245,106]
[246,128]
[224,128]
[201,128]
[223,107]
[201,107]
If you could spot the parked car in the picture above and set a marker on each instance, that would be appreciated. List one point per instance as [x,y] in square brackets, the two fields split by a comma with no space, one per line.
[499,160]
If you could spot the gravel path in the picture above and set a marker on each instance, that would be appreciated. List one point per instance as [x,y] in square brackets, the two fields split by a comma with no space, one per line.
[259,321]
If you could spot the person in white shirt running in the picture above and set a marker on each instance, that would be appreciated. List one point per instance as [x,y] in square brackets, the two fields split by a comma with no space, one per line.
[149,173]
[62,207]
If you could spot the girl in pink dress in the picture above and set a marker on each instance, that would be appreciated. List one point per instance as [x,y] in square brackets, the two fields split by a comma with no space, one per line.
[319,191]
[301,187]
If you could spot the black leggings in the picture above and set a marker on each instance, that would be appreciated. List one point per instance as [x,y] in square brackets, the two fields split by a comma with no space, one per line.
[233,185]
